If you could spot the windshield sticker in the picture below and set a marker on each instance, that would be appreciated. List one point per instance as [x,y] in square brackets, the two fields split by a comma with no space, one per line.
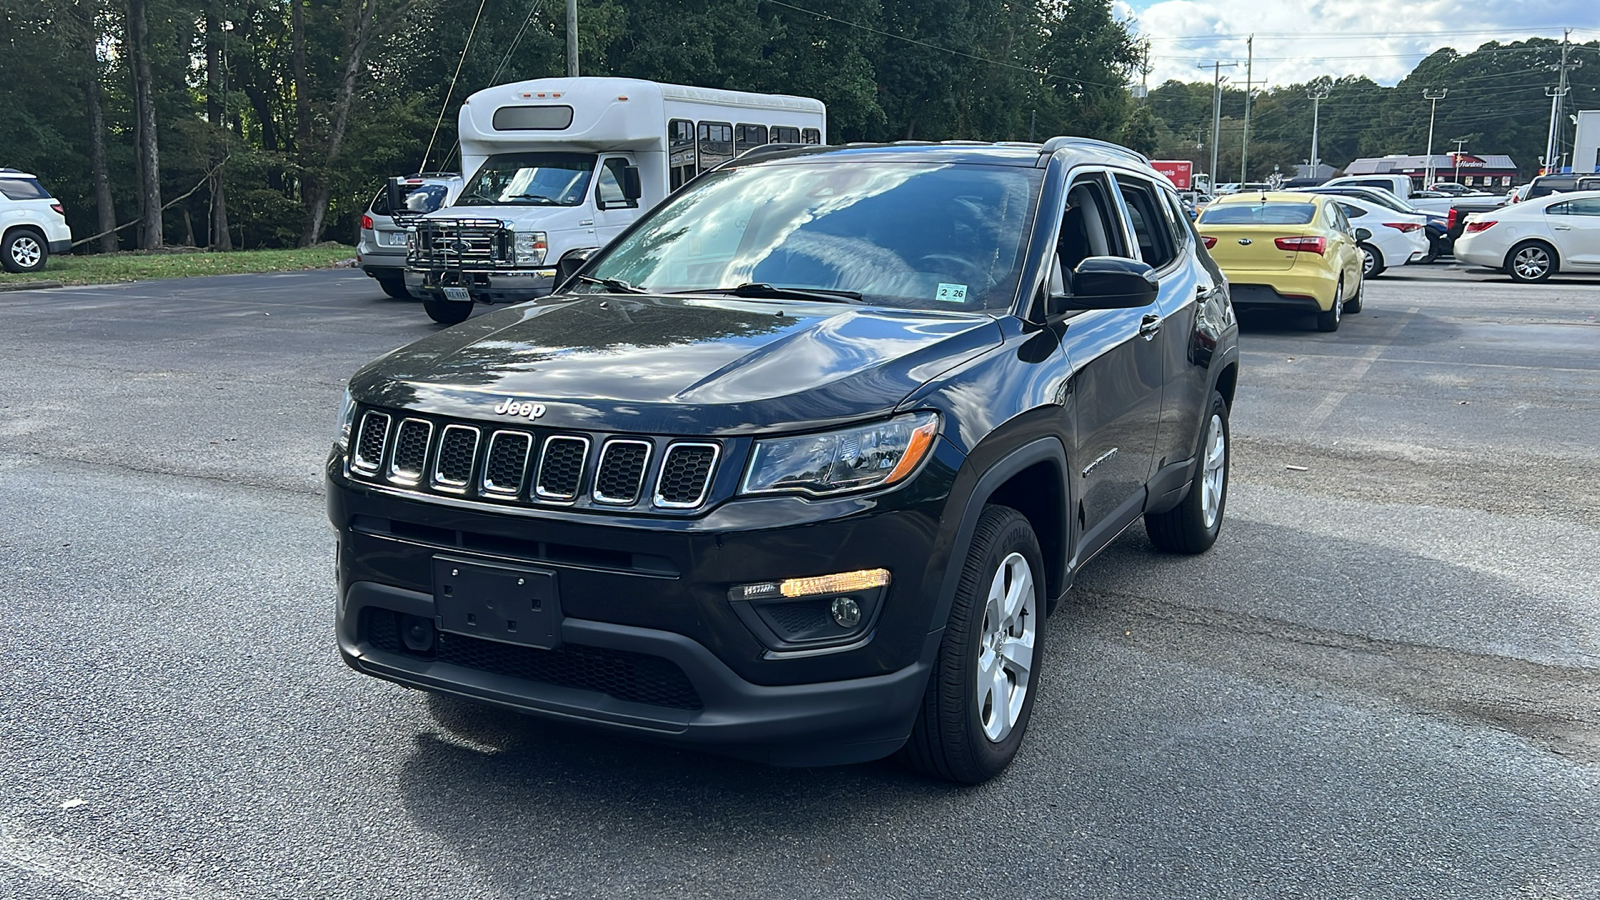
[951,293]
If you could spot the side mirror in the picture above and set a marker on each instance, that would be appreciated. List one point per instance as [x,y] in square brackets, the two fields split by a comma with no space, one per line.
[1110,282]
[1363,234]
[631,188]
[569,265]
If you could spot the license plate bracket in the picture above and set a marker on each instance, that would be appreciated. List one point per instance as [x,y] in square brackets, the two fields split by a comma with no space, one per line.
[509,604]
[458,294]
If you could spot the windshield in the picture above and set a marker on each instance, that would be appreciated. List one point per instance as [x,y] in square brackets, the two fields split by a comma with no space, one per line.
[530,179]
[1258,214]
[917,236]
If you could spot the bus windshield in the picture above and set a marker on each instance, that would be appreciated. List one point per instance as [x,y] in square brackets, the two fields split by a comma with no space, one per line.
[530,179]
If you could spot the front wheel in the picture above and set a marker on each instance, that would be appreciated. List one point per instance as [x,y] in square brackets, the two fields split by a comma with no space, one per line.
[1193,525]
[1531,262]
[980,695]
[446,312]
[24,251]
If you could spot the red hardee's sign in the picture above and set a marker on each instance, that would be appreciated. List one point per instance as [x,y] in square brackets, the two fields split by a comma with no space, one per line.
[1467,162]
[1179,171]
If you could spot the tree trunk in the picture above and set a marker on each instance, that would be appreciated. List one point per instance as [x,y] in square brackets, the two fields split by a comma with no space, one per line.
[319,191]
[216,114]
[307,167]
[150,232]
[105,207]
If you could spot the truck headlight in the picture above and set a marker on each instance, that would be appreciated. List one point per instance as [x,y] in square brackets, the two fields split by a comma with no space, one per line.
[850,459]
[529,247]
[347,420]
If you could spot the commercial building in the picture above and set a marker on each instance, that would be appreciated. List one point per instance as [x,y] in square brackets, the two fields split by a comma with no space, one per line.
[1488,172]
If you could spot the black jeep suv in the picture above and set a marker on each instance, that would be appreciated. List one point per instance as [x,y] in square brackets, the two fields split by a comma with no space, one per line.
[795,466]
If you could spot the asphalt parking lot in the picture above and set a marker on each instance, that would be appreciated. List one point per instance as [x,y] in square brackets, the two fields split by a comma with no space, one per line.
[1383,681]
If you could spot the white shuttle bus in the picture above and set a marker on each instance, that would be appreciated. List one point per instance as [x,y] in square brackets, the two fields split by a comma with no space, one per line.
[558,165]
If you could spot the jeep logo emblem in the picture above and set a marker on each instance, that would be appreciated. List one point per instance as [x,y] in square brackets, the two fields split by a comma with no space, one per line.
[524,408]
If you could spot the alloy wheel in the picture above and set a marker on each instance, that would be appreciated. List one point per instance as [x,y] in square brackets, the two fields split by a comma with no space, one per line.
[25,252]
[1215,474]
[1005,650]
[1531,262]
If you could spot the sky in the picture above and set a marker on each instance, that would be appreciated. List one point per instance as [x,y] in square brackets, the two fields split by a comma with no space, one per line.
[1298,41]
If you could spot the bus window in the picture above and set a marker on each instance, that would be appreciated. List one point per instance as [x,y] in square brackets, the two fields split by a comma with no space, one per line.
[680,151]
[716,144]
[810,136]
[748,136]
[784,134]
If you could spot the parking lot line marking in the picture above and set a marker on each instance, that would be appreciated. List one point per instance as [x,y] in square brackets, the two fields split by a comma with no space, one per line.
[1359,369]
[105,874]
[1393,361]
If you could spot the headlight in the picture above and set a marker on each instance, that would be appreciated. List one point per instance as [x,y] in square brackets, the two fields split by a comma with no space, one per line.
[529,248]
[835,461]
[347,419]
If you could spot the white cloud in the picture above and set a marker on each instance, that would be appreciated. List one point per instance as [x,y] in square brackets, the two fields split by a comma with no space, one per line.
[1297,41]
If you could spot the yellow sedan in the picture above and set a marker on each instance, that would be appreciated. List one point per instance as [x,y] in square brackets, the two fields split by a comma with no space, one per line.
[1286,251]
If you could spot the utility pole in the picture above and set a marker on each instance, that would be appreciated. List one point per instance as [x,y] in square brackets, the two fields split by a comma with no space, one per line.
[1552,153]
[1249,69]
[572,38]
[1216,118]
[1317,95]
[1432,96]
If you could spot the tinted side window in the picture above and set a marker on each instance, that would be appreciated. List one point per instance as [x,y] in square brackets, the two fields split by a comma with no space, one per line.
[1089,224]
[1588,206]
[1353,212]
[747,136]
[680,152]
[23,189]
[1146,221]
[716,144]
[784,134]
[608,189]
[1558,209]
[810,136]
[1177,220]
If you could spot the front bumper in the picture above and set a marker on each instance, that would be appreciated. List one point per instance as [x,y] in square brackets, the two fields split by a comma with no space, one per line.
[647,598]
[485,287]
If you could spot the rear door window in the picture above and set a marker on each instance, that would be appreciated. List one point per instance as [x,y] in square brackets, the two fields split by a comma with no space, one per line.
[1148,224]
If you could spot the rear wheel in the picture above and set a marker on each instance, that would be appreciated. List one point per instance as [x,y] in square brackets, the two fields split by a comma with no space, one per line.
[1329,321]
[24,250]
[1193,525]
[1371,261]
[446,312]
[1353,305]
[395,287]
[980,695]
[1531,262]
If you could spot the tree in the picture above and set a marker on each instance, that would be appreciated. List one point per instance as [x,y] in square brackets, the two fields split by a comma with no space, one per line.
[151,232]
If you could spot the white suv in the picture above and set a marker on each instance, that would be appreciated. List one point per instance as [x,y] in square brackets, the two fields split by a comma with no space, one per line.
[32,223]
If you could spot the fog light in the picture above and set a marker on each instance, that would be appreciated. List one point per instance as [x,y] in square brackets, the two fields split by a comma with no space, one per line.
[865,579]
[417,633]
[846,612]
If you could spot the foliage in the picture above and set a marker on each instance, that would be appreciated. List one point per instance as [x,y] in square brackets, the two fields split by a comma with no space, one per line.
[887,69]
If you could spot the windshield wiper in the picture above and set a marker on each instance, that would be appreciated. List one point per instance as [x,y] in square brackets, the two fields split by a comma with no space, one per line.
[760,289]
[540,197]
[615,285]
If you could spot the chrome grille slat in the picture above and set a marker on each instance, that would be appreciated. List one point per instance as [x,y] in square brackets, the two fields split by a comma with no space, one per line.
[685,476]
[370,441]
[452,465]
[507,463]
[409,459]
[561,467]
[619,475]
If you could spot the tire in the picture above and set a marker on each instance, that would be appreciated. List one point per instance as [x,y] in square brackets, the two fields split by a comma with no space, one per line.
[1531,262]
[1353,305]
[446,312]
[972,719]
[24,250]
[1193,525]
[395,287]
[1371,261]
[1329,321]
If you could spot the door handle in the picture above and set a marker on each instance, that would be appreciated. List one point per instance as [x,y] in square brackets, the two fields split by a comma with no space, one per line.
[1561,227]
[1149,327]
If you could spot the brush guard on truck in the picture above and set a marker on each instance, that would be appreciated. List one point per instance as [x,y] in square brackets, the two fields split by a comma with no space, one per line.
[465,259]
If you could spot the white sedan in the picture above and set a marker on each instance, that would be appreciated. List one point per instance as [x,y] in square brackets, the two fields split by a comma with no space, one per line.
[1397,238]
[1534,239]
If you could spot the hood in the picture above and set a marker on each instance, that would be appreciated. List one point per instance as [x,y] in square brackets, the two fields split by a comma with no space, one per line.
[678,365]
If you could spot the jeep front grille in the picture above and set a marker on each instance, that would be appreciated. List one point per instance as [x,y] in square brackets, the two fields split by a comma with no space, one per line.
[533,466]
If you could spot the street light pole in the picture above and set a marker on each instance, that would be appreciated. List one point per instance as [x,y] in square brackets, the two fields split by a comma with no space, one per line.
[1317,95]
[1249,69]
[1458,154]
[1433,97]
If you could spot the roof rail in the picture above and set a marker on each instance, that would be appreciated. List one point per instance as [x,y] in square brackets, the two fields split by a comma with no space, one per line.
[764,149]
[1058,143]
